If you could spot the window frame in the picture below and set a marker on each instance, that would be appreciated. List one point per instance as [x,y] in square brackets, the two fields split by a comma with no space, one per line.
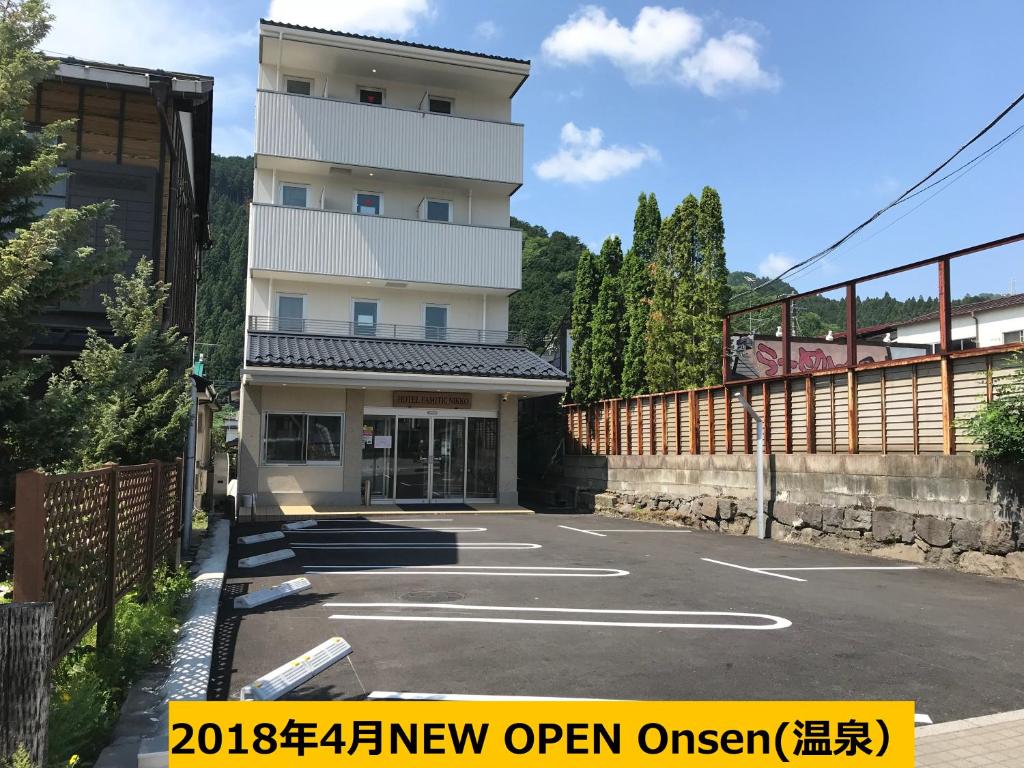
[434,97]
[355,317]
[297,185]
[355,202]
[433,332]
[277,310]
[1018,333]
[359,94]
[299,79]
[425,208]
[305,439]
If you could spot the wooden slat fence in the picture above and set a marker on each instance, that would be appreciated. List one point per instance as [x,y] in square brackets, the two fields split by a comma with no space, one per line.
[83,540]
[898,406]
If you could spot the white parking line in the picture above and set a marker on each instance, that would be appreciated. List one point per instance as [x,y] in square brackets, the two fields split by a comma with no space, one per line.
[383,520]
[431,545]
[848,568]
[547,571]
[636,530]
[386,530]
[752,570]
[406,696]
[776,622]
[580,530]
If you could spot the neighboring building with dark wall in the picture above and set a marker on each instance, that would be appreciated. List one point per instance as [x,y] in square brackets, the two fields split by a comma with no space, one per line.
[141,139]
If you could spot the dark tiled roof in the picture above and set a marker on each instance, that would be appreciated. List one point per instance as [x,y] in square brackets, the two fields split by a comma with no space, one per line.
[344,353]
[392,41]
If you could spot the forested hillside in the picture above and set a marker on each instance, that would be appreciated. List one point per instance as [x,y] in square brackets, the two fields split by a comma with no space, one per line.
[537,311]
[220,307]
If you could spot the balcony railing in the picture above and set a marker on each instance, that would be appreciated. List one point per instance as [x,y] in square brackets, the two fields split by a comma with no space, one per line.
[313,241]
[306,327]
[375,136]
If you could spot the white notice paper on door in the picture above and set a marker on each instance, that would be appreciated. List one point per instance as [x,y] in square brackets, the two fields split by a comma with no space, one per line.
[382,441]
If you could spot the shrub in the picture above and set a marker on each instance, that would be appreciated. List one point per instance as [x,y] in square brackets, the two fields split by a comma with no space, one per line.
[90,686]
[999,425]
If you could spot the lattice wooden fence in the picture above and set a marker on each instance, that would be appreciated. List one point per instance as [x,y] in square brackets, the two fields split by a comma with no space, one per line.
[83,540]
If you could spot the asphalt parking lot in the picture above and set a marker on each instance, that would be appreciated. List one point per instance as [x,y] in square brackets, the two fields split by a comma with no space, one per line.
[591,607]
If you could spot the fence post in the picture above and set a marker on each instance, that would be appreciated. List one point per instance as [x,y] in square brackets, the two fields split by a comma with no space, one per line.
[149,562]
[30,537]
[26,645]
[178,554]
[105,624]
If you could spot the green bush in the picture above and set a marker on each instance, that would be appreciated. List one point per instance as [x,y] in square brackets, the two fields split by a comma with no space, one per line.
[999,425]
[89,686]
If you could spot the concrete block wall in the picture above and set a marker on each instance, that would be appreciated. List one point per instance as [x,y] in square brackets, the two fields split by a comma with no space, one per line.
[948,511]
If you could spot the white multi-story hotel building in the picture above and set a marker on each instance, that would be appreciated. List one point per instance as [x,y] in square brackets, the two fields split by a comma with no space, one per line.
[377,353]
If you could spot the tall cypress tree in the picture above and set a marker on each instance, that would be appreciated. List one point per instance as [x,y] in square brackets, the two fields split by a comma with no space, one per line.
[606,328]
[712,291]
[637,287]
[670,354]
[584,297]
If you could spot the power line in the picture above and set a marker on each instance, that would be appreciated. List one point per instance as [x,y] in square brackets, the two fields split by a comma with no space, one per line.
[915,189]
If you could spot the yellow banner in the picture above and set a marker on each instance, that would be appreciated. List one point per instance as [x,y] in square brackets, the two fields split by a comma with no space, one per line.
[496,734]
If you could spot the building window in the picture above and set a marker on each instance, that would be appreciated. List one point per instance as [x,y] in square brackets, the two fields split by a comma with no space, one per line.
[440,105]
[435,321]
[367,203]
[301,86]
[295,195]
[364,317]
[1013,337]
[290,313]
[371,95]
[436,210]
[300,438]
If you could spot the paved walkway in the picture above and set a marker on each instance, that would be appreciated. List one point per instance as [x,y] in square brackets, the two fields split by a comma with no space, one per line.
[993,740]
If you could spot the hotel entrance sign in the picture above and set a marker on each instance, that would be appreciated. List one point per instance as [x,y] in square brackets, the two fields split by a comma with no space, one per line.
[432,399]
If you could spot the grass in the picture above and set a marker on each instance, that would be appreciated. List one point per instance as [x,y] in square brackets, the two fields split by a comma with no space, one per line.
[200,520]
[89,686]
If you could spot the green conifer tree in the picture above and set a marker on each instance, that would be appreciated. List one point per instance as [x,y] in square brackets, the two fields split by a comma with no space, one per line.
[670,353]
[42,259]
[637,288]
[606,337]
[584,297]
[712,291]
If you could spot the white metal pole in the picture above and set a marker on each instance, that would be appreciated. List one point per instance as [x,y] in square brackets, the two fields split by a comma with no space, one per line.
[761,521]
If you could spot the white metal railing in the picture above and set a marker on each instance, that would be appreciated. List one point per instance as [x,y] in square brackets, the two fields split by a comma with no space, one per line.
[312,327]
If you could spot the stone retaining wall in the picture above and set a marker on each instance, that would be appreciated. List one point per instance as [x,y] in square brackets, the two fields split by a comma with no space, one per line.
[943,511]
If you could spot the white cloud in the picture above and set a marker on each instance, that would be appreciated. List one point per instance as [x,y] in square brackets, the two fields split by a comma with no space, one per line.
[774,264]
[486,30]
[662,44]
[380,17]
[657,37]
[724,62]
[582,158]
[145,34]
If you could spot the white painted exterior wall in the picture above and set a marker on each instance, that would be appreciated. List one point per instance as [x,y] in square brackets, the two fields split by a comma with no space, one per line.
[372,136]
[989,330]
[334,302]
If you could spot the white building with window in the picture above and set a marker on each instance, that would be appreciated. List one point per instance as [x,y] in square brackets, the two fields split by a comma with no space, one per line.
[378,358]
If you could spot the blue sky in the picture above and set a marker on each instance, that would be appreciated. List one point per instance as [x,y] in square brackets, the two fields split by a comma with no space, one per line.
[806,117]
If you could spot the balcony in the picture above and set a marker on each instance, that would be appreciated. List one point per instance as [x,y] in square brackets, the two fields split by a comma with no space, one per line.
[304,327]
[371,136]
[312,241]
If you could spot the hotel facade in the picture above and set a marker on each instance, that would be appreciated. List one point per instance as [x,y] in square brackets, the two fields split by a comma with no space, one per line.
[379,366]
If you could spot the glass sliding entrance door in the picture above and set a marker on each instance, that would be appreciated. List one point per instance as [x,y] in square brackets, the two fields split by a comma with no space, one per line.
[379,456]
[448,464]
[412,460]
